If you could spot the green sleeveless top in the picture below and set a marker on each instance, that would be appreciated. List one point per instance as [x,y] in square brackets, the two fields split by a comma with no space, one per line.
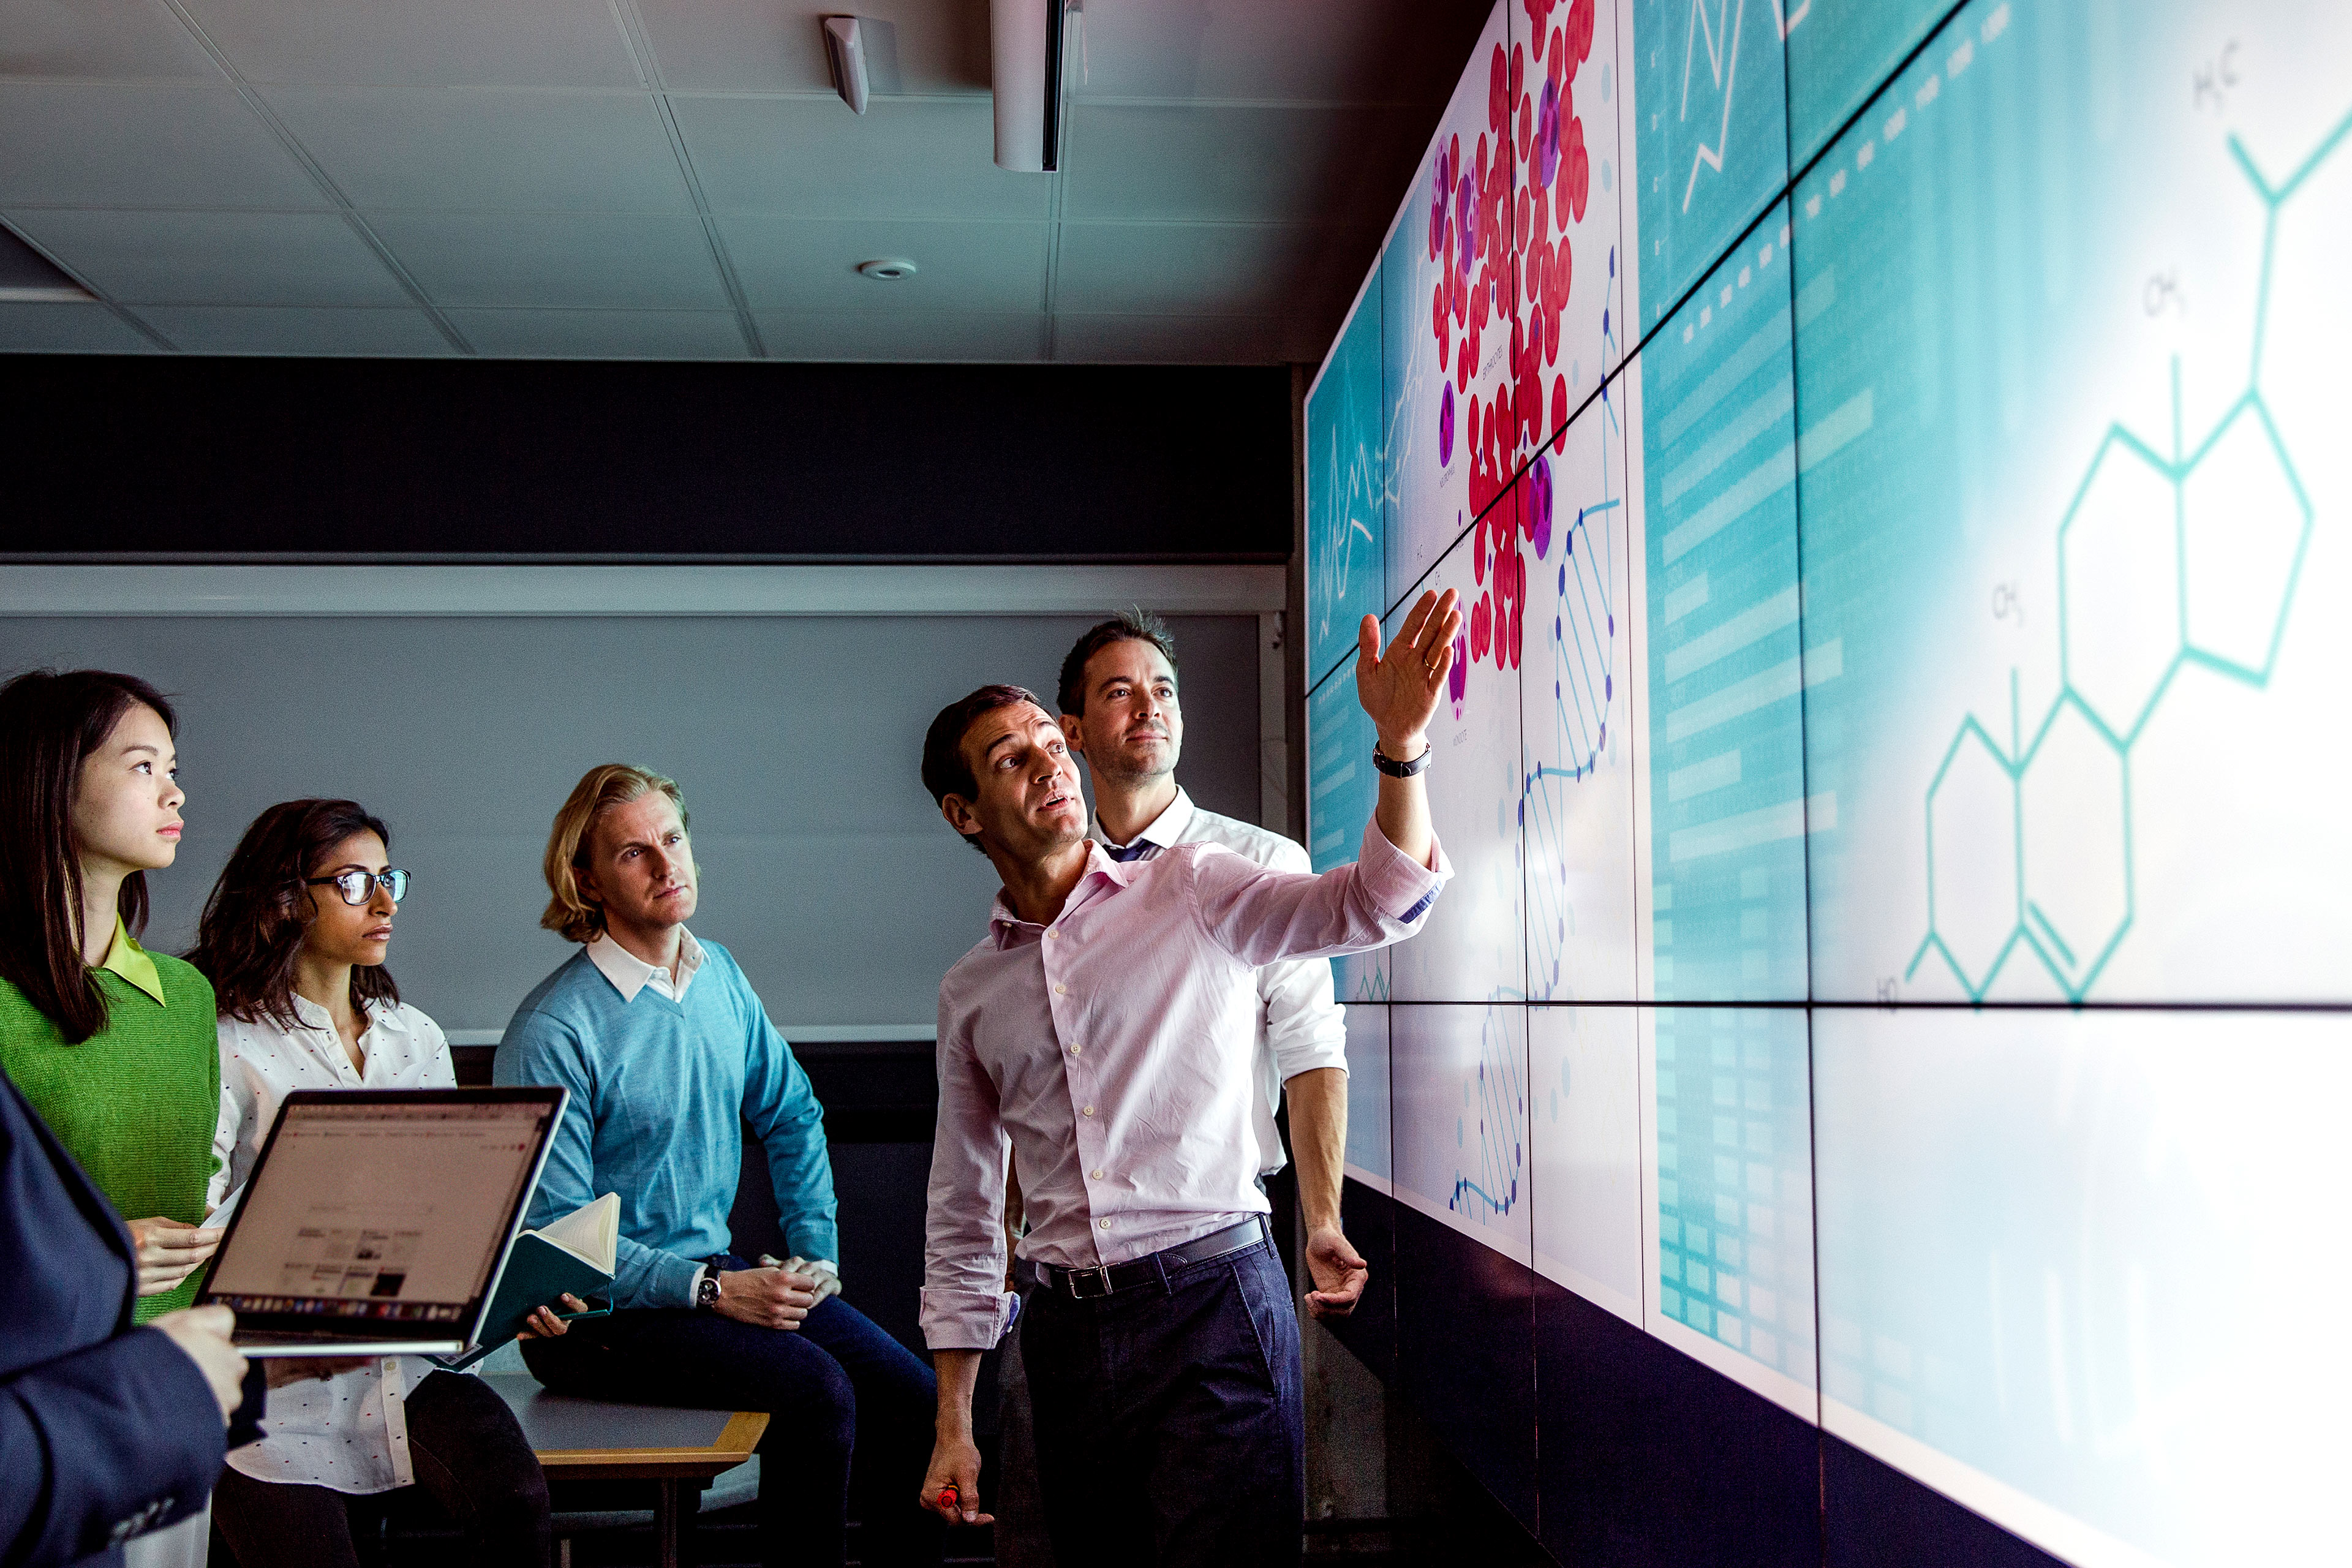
[136,1103]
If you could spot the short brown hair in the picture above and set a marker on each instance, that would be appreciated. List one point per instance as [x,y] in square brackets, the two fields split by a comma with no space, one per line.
[1127,625]
[946,770]
[569,914]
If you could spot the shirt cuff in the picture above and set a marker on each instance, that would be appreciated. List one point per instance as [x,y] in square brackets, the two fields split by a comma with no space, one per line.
[966,1320]
[1400,889]
[669,1283]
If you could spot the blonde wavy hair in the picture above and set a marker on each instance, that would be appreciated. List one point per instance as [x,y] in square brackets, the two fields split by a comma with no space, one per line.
[569,914]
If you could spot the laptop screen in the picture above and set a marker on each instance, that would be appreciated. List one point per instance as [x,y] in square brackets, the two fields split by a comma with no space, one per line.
[384,1211]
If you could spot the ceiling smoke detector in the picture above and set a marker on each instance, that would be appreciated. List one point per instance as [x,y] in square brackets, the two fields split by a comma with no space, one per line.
[887,269]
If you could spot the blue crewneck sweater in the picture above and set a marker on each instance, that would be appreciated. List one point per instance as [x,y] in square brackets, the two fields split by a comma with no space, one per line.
[660,1093]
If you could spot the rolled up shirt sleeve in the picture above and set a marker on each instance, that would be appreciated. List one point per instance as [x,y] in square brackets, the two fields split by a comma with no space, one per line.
[1261,916]
[964,1303]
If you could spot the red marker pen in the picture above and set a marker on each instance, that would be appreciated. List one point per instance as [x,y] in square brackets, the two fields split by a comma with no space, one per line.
[948,1496]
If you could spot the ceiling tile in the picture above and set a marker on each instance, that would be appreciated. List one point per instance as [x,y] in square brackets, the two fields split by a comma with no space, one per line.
[602,334]
[556,259]
[486,148]
[1167,339]
[968,337]
[1234,161]
[805,265]
[86,38]
[777,46]
[217,259]
[67,329]
[423,43]
[1360,51]
[110,145]
[1207,270]
[810,157]
[296,330]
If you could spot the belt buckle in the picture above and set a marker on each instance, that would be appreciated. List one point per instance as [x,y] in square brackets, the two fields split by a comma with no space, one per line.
[1101,1275]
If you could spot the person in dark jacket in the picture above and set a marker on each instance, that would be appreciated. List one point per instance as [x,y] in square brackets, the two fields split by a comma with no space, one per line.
[107,1431]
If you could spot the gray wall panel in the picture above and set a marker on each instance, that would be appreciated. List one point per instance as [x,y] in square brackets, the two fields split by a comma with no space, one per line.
[825,868]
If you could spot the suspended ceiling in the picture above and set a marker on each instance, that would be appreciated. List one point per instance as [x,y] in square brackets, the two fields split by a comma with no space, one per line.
[676,179]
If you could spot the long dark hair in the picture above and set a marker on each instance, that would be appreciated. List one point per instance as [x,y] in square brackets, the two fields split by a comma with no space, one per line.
[48,723]
[253,924]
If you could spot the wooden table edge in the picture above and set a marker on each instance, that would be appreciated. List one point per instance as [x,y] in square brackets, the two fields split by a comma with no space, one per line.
[736,1442]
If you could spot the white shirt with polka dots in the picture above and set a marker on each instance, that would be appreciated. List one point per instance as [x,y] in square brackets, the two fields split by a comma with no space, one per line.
[350,1432]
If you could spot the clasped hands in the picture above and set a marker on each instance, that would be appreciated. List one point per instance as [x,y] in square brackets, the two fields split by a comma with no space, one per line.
[779,1294]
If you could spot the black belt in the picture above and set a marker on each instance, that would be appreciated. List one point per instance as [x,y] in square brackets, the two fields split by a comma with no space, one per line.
[1089,1284]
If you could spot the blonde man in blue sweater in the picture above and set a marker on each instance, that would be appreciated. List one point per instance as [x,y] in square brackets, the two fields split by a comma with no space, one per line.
[669,1054]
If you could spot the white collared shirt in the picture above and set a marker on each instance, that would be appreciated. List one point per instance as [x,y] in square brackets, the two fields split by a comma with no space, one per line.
[1109,1052]
[1300,1025]
[348,1433]
[630,974]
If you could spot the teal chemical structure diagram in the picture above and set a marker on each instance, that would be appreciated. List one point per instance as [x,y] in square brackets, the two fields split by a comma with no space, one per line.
[2230,516]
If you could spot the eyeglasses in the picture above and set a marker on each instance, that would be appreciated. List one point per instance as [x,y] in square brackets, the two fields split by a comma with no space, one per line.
[357,886]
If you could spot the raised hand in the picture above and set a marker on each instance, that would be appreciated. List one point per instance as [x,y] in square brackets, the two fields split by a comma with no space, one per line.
[1400,688]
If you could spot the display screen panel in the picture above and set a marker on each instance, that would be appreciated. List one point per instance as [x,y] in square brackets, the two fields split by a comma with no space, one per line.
[2060,1260]
[1714,448]
[1347,489]
[1473,946]
[1565,79]
[2081,674]
[1584,1152]
[1924,640]
[1446,295]
[1579,686]
[1459,1074]
[1710,136]
[1342,789]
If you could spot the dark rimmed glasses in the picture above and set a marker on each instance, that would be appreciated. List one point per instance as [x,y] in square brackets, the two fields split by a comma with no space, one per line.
[357,887]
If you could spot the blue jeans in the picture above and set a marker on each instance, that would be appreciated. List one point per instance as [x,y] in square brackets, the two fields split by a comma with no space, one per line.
[1173,1412]
[849,1407]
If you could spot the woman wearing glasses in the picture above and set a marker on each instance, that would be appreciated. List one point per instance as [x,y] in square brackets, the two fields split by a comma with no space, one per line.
[293,940]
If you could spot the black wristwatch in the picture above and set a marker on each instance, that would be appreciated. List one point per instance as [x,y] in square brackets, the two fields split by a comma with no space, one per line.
[1397,770]
[706,1289]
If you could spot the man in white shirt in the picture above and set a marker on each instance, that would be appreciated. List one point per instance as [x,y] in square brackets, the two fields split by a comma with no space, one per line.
[1103,1037]
[1121,711]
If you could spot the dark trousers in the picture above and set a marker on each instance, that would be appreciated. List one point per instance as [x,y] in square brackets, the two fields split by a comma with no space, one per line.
[469,1456]
[848,1407]
[1172,1412]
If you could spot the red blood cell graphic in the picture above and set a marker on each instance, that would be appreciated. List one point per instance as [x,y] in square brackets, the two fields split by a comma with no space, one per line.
[1580,169]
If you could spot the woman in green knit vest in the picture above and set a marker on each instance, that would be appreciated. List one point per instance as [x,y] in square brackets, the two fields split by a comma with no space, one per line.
[114,1047]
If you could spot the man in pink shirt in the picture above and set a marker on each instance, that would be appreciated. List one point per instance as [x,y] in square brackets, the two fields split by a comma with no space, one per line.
[1102,1037]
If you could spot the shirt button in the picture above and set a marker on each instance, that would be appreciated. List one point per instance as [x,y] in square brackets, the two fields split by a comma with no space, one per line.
[1052,934]
[1060,989]
[1075,1050]
[1095,1174]
[1089,1110]
[1104,1223]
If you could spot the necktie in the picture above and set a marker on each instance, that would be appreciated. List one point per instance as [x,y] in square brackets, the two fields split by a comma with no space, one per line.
[1135,851]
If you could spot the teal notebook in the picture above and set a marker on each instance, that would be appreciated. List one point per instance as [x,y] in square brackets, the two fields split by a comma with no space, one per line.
[574,1254]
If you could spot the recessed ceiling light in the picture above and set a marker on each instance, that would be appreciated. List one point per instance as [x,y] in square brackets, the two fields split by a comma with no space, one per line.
[887,269]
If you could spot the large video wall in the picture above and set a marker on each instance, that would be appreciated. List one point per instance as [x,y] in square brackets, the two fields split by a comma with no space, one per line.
[1892,458]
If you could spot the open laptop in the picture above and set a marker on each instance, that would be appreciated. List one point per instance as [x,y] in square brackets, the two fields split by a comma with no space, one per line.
[377,1221]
